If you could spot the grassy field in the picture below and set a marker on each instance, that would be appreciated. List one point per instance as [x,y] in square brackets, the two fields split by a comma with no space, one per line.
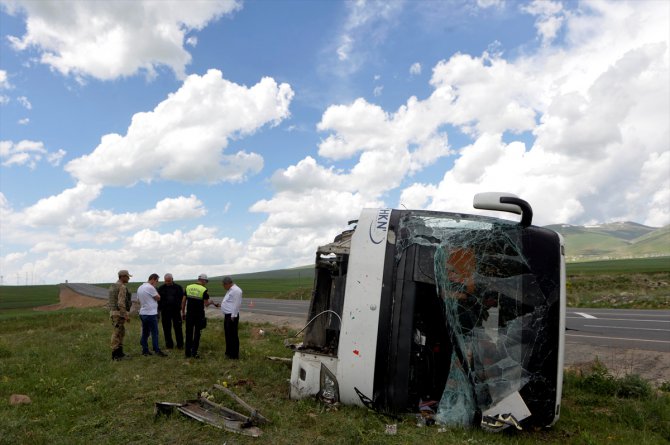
[633,265]
[631,284]
[61,360]
[21,297]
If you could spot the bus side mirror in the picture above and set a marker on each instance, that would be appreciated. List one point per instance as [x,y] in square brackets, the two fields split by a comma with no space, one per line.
[504,202]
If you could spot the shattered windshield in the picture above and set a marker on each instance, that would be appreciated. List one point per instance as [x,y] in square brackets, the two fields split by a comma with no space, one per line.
[495,311]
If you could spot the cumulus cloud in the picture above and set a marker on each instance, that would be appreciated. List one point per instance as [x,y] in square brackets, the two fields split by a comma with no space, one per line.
[107,40]
[597,125]
[123,238]
[184,137]
[56,209]
[550,18]
[184,253]
[415,69]
[27,153]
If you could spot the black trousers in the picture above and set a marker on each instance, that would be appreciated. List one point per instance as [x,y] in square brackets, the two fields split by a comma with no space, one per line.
[171,318]
[230,325]
[192,338]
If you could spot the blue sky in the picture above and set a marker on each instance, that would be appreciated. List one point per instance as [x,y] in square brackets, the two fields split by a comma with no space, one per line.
[224,137]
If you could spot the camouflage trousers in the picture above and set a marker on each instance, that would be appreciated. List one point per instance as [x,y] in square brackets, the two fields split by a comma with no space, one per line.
[119,331]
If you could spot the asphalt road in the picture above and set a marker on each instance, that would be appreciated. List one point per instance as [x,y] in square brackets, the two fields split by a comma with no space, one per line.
[615,328]
[619,328]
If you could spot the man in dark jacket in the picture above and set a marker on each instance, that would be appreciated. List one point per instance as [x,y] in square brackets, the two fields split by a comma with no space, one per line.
[169,308]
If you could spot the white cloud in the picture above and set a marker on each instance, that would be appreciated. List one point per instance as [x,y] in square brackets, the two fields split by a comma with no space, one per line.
[184,137]
[4,85]
[26,153]
[378,90]
[367,25]
[126,240]
[57,209]
[24,121]
[23,100]
[490,3]
[184,253]
[4,81]
[550,18]
[415,69]
[55,158]
[107,40]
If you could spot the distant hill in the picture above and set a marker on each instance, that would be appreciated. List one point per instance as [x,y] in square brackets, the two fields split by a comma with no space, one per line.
[613,241]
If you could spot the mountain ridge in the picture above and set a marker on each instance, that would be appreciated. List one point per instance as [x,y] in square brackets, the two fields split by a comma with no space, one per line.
[615,240]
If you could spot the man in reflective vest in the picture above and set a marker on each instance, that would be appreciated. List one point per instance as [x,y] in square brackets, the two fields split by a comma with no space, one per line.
[193,312]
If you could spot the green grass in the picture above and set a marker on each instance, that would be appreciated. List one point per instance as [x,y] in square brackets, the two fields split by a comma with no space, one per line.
[642,283]
[18,297]
[633,265]
[61,360]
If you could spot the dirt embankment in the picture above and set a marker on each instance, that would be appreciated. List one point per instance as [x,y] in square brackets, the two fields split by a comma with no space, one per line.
[69,298]
[651,365]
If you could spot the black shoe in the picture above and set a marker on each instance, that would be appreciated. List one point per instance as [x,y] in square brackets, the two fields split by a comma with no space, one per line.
[160,354]
[147,353]
[196,355]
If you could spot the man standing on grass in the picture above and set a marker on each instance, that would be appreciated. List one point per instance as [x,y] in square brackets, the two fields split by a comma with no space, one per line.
[169,306]
[230,307]
[119,305]
[193,312]
[148,297]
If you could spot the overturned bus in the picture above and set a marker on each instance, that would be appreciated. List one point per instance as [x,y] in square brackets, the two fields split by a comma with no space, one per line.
[461,313]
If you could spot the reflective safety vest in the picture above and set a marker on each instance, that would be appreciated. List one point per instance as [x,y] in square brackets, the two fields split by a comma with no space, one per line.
[196,291]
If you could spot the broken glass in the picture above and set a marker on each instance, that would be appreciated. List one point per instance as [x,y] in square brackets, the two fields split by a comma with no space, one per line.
[495,311]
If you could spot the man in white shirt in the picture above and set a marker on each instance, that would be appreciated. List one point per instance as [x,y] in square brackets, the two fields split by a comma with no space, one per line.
[230,307]
[148,297]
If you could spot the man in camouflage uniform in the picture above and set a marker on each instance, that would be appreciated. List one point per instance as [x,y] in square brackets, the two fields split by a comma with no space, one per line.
[119,307]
